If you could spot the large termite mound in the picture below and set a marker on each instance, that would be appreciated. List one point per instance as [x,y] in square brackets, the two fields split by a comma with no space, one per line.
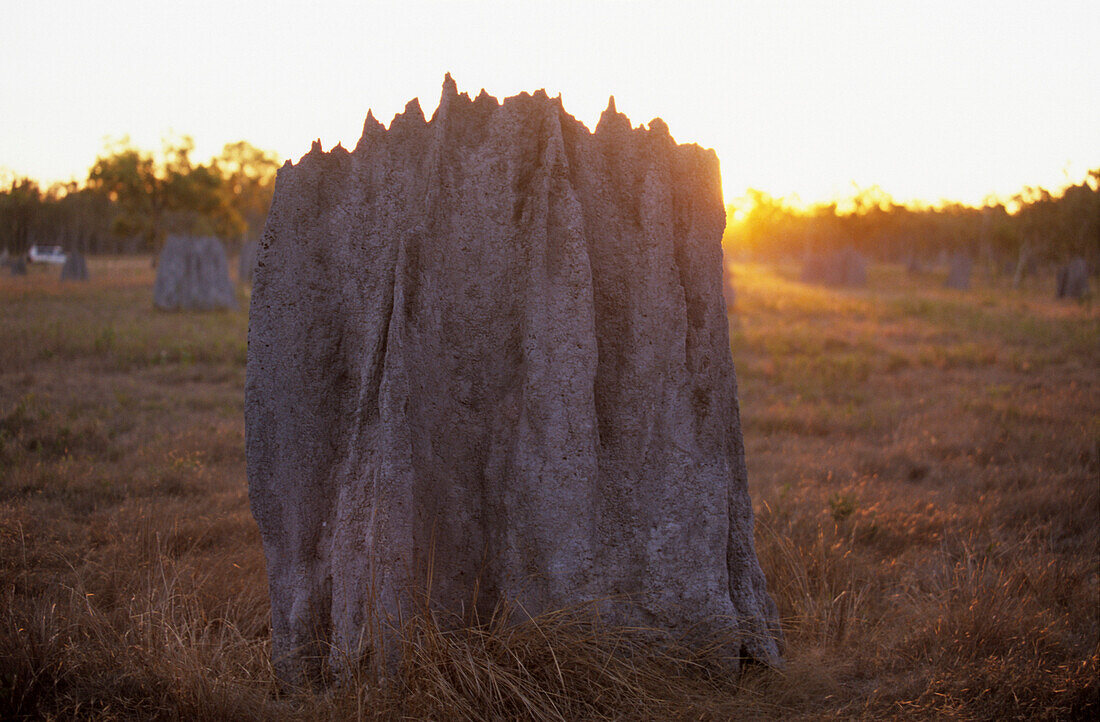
[489,358]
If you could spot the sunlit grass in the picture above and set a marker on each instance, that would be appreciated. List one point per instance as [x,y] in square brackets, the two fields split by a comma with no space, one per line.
[923,464]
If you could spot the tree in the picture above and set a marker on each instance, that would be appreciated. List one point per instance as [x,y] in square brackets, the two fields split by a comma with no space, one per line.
[128,177]
[154,196]
[136,195]
[19,209]
[1042,227]
[249,174]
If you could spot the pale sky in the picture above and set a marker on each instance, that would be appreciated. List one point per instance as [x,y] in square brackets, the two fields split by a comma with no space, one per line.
[929,100]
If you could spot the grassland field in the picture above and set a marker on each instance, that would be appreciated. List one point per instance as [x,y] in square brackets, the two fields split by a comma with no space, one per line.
[924,464]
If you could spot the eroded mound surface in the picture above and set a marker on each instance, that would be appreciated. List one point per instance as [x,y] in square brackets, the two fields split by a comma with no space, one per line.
[489,356]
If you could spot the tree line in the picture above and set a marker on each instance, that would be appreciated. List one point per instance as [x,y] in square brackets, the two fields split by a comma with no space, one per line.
[1033,228]
[133,198]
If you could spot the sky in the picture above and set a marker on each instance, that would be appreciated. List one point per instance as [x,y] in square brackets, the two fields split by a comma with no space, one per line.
[928,100]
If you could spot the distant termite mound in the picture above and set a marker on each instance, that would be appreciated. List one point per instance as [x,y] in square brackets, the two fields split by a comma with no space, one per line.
[17,265]
[961,267]
[1073,279]
[835,268]
[193,275]
[729,290]
[489,358]
[246,262]
[75,268]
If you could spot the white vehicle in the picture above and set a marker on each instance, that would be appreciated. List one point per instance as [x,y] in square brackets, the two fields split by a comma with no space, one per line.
[46,254]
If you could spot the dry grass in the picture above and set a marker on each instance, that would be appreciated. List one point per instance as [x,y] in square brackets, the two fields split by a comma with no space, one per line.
[925,465]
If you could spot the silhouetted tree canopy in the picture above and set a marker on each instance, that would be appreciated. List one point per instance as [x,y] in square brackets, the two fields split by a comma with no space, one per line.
[1041,227]
[134,197]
